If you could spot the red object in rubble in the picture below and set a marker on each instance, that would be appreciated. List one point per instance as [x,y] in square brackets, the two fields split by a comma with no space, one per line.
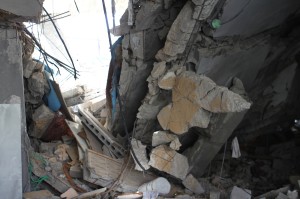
[57,128]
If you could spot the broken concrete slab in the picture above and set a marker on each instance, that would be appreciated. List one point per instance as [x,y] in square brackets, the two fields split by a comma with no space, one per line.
[180,31]
[42,117]
[181,115]
[194,97]
[29,67]
[206,148]
[167,81]
[30,9]
[239,193]
[204,92]
[140,153]
[159,68]
[11,162]
[191,183]
[38,85]
[162,137]
[168,160]
[175,144]
[159,185]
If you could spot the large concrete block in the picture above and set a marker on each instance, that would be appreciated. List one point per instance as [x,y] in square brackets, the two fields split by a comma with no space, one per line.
[206,148]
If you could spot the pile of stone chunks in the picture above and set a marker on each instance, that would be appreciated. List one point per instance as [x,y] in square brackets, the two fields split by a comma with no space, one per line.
[177,98]
[194,99]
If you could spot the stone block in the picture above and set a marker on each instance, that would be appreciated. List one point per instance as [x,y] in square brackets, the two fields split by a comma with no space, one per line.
[162,137]
[42,117]
[140,153]
[168,160]
[158,69]
[167,81]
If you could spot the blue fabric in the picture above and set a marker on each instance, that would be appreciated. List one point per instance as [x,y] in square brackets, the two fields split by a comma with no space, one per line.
[51,99]
[116,77]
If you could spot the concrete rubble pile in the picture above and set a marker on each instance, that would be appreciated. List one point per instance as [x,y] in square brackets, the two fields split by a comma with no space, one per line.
[171,136]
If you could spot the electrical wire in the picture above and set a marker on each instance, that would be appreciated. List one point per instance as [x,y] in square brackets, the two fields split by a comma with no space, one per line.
[107,25]
[49,58]
[63,42]
[76,6]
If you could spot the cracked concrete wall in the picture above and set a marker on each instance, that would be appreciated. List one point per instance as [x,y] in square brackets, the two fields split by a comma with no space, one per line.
[139,48]
[11,78]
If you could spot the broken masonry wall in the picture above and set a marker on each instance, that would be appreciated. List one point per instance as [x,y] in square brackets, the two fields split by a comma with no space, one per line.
[139,46]
[187,77]
[12,92]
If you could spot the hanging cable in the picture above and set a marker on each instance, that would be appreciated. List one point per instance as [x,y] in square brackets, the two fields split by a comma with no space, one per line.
[63,42]
[113,11]
[49,58]
[76,6]
[107,25]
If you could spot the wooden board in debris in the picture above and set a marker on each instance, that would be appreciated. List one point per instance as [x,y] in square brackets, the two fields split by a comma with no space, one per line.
[103,170]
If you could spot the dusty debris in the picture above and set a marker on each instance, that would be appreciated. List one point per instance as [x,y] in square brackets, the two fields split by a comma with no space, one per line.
[61,152]
[42,194]
[168,160]
[191,183]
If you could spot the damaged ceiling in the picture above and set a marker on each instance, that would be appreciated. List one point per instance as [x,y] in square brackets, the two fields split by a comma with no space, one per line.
[202,101]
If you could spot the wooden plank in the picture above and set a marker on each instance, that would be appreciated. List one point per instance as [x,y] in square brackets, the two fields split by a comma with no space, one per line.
[64,109]
[103,170]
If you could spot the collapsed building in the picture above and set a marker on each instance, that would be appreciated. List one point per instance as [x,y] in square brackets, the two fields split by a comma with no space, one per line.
[202,101]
